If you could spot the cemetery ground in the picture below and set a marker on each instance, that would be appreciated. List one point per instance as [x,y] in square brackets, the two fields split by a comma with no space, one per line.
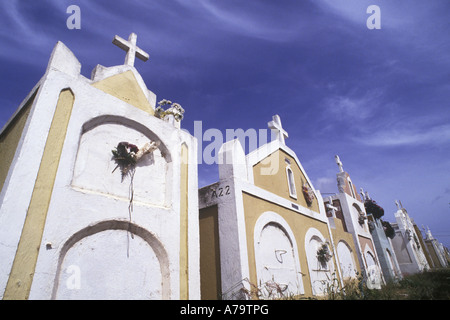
[428,285]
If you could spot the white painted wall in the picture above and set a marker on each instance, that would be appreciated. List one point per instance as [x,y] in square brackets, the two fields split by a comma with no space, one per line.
[88,223]
[137,276]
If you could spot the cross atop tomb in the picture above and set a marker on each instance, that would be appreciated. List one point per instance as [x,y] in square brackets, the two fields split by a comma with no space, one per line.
[364,195]
[276,126]
[131,48]
[331,208]
[339,163]
[361,192]
[428,233]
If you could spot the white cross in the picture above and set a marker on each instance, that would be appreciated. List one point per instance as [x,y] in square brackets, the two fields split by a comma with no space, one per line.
[275,125]
[361,192]
[365,195]
[339,163]
[332,208]
[131,48]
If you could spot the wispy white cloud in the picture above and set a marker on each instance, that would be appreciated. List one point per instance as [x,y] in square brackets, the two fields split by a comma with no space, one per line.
[13,14]
[351,107]
[259,20]
[401,15]
[407,136]
[326,185]
[17,29]
[372,119]
[353,11]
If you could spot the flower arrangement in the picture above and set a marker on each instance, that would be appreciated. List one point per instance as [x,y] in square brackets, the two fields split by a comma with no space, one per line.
[324,254]
[388,229]
[175,109]
[361,218]
[126,155]
[373,208]
[371,226]
[308,194]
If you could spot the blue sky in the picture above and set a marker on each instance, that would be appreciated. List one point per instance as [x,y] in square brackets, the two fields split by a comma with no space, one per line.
[377,98]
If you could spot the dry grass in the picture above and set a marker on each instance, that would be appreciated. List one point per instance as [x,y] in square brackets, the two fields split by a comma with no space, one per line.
[429,285]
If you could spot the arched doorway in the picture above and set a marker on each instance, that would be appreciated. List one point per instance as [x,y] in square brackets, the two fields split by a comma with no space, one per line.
[346,260]
[373,272]
[112,260]
[276,257]
[320,272]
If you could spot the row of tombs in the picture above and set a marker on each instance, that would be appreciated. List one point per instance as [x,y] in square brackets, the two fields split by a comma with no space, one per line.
[100,200]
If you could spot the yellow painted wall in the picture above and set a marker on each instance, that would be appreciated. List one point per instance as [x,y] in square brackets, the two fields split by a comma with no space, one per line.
[210,276]
[125,87]
[184,252]
[10,137]
[254,207]
[21,276]
[430,254]
[277,182]
[423,245]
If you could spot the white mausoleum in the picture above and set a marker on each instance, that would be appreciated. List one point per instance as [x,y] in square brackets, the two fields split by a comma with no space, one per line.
[74,224]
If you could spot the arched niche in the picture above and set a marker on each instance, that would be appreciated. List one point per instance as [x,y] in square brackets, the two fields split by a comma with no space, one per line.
[321,274]
[113,119]
[370,257]
[95,169]
[346,260]
[373,272]
[112,260]
[276,256]
[359,216]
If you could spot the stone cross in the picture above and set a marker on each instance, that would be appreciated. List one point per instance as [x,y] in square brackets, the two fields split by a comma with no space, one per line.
[339,163]
[365,195]
[361,192]
[428,233]
[131,48]
[332,208]
[276,126]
